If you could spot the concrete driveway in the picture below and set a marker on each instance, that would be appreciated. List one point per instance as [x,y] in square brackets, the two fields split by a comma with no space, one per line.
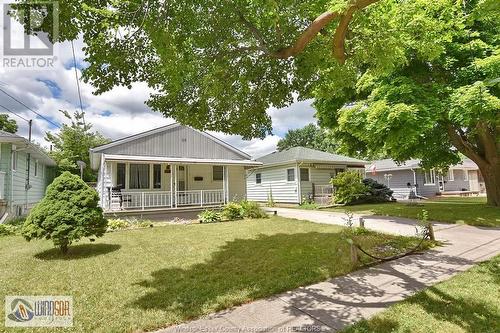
[333,304]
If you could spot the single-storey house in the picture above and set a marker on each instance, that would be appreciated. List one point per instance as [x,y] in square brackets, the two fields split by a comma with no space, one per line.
[410,176]
[292,175]
[25,172]
[168,168]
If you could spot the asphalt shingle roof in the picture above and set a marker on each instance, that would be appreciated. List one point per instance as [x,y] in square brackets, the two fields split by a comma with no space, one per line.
[302,154]
[389,164]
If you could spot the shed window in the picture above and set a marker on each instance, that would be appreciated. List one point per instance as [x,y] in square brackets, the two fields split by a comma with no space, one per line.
[120,175]
[290,175]
[139,176]
[156,175]
[430,177]
[218,172]
[258,178]
[304,174]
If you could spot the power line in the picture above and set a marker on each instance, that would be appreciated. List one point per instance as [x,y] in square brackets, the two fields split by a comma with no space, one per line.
[77,81]
[38,114]
[9,110]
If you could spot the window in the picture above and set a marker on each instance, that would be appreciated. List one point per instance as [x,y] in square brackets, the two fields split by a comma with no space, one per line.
[466,176]
[120,175]
[304,174]
[156,175]
[218,172]
[258,178]
[430,177]
[35,169]
[14,159]
[139,176]
[451,175]
[290,175]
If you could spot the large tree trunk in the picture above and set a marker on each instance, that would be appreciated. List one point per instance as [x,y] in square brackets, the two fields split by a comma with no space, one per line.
[485,153]
[491,175]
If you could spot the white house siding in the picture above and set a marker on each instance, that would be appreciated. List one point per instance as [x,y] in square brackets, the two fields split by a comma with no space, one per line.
[274,179]
[19,199]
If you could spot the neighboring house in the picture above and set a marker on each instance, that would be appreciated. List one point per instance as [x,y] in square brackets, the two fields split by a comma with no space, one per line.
[405,177]
[297,173]
[168,168]
[22,185]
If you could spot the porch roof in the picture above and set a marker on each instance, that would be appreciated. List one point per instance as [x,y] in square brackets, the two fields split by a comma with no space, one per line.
[179,160]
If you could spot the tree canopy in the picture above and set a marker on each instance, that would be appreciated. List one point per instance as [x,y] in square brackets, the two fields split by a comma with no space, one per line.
[72,144]
[309,136]
[405,78]
[7,124]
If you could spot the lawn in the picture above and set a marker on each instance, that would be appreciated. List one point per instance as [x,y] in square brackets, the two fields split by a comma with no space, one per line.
[144,279]
[469,302]
[472,211]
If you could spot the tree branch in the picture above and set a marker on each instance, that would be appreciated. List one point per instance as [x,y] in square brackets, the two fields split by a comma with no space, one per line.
[319,23]
[342,28]
[254,31]
[464,146]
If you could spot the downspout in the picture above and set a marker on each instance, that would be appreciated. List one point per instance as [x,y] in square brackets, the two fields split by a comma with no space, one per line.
[299,185]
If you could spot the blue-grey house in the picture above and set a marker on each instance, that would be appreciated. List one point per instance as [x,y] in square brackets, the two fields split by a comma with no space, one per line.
[25,172]
[407,176]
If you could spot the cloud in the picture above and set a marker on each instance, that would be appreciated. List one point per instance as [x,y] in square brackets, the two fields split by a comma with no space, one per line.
[117,113]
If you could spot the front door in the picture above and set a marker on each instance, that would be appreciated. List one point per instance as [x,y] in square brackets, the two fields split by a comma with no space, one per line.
[181,178]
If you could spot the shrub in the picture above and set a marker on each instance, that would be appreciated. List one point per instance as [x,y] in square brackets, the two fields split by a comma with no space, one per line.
[210,216]
[377,192]
[16,221]
[8,229]
[348,187]
[68,212]
[252,210]
[116,224]
[232,211]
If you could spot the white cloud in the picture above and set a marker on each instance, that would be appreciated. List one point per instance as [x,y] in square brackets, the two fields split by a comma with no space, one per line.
[116,113]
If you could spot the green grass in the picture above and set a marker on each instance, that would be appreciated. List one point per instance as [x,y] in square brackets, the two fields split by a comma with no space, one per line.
[469,302]
[472,211]
[150,278]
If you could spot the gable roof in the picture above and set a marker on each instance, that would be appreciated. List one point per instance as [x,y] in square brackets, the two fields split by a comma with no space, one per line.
[302,154]
[23,143]
[164,129]
[389,165]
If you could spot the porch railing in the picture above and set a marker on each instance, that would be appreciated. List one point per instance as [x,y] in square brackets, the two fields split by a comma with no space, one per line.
[123,200]
[323,190]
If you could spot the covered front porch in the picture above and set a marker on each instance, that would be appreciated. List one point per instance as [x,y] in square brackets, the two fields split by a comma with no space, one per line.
[130,183]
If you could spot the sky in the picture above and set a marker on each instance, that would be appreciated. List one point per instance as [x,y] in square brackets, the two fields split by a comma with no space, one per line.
[117,113]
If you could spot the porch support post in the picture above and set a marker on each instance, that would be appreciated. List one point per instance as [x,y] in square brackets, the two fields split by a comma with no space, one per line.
[175,183]
[225,183]
[171,186]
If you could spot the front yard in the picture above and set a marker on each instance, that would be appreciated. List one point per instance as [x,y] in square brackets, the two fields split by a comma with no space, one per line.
[472,211]
[144,279]
[468,302]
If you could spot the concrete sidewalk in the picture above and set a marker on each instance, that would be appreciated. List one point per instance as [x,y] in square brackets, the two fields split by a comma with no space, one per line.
[338,302]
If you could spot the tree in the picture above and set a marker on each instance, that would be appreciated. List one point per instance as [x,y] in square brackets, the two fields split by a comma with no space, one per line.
[68,212]
[7,124]
[431,108]
[219,65]
[72,144]
[310,136]
[349,187]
